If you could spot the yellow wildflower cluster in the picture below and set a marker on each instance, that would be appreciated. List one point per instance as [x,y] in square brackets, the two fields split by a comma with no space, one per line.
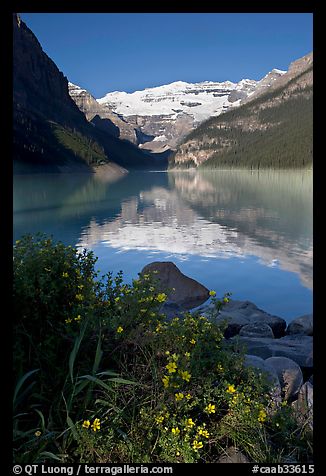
[231,389]
[96,425]
[171,367]
[175,431]
[179,396]
[161,297]
[119,330]
[70,319]
[262,416]
[197,445]
[210,408]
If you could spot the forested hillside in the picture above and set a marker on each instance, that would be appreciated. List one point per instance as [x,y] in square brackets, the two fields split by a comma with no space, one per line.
[273,130]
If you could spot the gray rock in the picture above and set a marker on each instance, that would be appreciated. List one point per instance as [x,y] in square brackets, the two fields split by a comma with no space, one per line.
[262,367]
[233,455]
[289,375]
[301,325]
[171,309]
[256,329]
[295,347]
[182,290]
[303,406]
[237,314]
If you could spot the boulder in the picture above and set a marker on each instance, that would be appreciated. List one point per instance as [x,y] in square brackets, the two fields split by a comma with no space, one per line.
[180,289]
[301,325]
[261,367]
[257,329]
[303,406]
[289,375]
[233,455]
[295,347]
[237,314]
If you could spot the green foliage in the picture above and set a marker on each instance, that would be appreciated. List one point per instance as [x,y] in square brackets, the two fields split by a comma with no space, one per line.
[103,376]
[82,146]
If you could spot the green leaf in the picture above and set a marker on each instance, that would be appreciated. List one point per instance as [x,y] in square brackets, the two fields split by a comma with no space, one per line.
[20,384]
[72,427]
[75,349]
[104,385]
[48,454]
[98,355]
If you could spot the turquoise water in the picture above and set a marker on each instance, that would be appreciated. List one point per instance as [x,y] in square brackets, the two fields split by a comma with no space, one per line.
[248,233]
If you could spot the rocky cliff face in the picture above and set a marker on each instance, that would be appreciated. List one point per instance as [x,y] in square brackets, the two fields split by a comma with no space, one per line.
[112,123]
[39,88]
[50,132]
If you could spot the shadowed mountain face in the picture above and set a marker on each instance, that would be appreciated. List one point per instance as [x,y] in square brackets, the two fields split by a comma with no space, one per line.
[50,132]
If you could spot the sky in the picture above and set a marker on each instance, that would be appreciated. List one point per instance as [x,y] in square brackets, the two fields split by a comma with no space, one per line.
[104,52]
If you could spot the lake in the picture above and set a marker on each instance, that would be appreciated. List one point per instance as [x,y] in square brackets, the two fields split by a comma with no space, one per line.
[239,231]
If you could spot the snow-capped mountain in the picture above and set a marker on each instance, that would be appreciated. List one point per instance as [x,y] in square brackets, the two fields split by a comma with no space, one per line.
[199,100]
[160,117]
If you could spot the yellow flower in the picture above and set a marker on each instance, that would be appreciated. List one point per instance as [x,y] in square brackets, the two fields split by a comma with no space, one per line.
[165,381]
[68,321]
[219,368]
[171,367]
[159,419]
[78,318]
[167,352]
[212,293]
[193,342]
[86,423]
[197,445]
[185,375]
[210,408]
[262,416]
[119,330]
[175,357]
[188,396]
[96,425]
[179,396]
[175,431]
[178,453]
[79,297]
[117,299]
[161,297]
[187,355]
[65,275]
[38,433]
[231,389]
[203,433]
[190,423]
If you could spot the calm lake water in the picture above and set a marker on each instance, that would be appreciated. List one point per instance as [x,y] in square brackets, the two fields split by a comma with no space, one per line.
[248,233]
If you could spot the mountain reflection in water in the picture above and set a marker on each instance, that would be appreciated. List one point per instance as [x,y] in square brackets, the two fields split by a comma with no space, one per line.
[196,216]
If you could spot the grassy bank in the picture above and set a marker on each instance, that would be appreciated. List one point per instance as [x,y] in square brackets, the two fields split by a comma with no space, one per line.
[102,376]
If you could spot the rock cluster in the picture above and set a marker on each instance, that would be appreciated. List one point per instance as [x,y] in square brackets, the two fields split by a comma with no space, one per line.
[284,353]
